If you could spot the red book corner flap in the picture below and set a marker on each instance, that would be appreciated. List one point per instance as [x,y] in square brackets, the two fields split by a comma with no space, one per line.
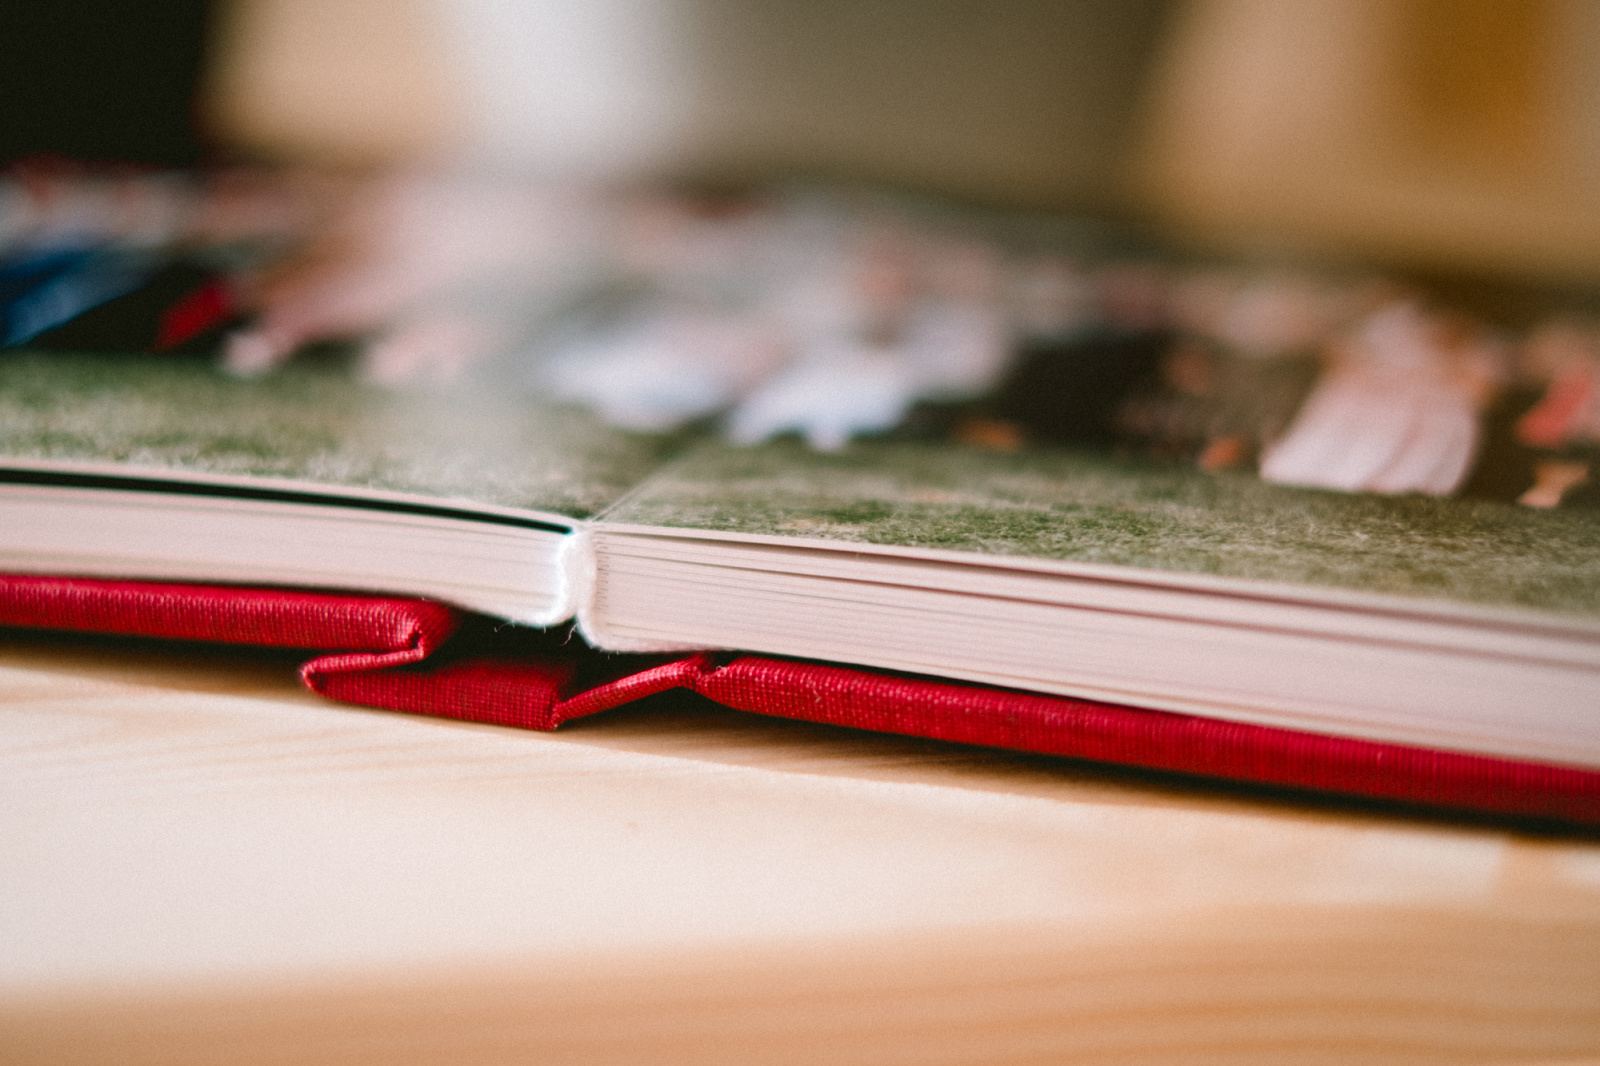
[397,654]
[404,630]
[365,641]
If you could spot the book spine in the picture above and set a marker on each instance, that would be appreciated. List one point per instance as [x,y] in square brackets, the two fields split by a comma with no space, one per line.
[575,577]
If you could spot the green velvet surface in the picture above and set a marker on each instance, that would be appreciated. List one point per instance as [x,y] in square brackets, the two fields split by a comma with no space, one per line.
[311,421]
[1089,507]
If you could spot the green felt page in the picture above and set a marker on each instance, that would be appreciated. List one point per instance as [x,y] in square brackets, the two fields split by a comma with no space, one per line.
[500,446]
[1094,508]
[313,422]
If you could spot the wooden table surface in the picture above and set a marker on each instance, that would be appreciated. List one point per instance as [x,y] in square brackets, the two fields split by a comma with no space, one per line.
[200,863]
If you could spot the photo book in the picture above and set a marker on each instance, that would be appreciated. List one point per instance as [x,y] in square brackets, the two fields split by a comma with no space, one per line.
[1075,601]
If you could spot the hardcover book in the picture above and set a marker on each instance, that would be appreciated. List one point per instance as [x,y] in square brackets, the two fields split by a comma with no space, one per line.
[1468,629]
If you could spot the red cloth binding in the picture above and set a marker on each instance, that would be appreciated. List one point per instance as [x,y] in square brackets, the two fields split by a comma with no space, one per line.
[1154,740]
[1108,733]
[381,652]
[369,634]
[405,629]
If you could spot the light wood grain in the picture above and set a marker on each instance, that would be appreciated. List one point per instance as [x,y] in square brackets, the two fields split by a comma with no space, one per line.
[198,864]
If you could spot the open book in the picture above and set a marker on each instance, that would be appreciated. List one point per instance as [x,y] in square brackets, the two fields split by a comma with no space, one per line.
[1451,624]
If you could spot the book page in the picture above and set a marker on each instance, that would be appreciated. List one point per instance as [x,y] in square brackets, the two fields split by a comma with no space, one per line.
[313,423]
[1093,507]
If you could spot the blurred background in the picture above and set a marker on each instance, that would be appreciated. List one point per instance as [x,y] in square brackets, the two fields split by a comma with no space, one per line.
[1454,136]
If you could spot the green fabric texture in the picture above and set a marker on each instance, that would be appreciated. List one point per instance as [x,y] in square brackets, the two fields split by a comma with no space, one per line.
[313,422]
[1095,508]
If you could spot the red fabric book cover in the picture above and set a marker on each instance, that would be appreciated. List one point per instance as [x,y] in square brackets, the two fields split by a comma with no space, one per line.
[398,654]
